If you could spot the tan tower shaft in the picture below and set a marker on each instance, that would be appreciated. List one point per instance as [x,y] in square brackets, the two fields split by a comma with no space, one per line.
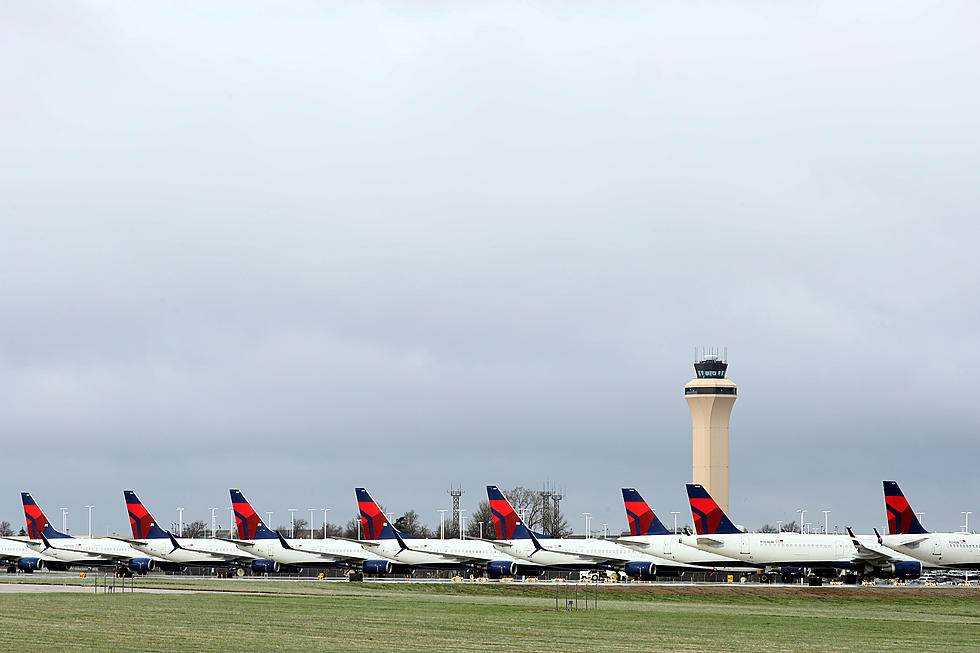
[711,402]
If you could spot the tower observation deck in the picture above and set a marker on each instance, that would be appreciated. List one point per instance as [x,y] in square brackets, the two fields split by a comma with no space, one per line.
[710,397]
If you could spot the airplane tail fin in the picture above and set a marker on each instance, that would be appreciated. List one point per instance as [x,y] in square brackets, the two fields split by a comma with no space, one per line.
[642,520]
[250,525]
[505,519]
[37,521]
[901,517]
[142,522]
[709,518]
[373,520]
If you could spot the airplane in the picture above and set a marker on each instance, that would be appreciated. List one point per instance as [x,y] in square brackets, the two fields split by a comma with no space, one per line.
[291,554]
[514,538]
[434,553]
[907,536]
[649,535]
[183,551]
[78,552]
[793,555]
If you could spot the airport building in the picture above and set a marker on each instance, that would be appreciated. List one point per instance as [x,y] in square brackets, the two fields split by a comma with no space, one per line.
[710,396]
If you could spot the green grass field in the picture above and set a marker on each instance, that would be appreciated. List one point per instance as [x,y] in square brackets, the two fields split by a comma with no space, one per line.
[290,616]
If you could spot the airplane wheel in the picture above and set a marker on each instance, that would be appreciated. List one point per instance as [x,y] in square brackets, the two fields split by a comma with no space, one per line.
[11,569]
[764,578]
[814,581]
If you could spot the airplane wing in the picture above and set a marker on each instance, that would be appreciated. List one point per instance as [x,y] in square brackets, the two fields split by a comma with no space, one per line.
[866,554]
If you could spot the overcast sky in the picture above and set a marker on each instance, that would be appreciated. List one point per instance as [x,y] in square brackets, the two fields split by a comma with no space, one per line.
[300,248]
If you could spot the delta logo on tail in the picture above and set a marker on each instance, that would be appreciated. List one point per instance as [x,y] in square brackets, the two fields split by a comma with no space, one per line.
[37,522]
[901,517]
[140,520]
[250,525]
[505,520]
[709,518]
[641,518]
[372,519]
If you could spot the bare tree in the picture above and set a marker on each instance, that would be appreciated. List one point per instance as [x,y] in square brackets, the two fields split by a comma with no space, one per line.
[412,524]
[6,530]
[527,504]
[481,516]
[198,528]
[352,527]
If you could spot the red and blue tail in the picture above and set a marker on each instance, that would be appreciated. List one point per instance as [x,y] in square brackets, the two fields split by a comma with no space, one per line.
[641,518]
[250,525]
[709,518]
[142,522]
[37,522]
[373,519]
[901,517]
[505,519]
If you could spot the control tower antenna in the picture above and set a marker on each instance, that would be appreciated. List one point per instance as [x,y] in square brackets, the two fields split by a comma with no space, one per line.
[455,494]
[710,397]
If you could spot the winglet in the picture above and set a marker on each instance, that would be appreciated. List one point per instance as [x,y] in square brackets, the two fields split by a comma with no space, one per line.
[709,518]
[878,535]
[173,542]
[282,541]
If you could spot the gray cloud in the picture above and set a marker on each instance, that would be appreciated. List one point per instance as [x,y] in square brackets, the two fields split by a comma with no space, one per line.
[295,250]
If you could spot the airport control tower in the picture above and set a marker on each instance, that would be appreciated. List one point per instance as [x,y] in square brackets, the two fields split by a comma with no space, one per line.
[710,397]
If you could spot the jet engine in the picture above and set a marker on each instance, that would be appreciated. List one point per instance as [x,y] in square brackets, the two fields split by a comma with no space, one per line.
[500,568]
[265,566]
[641,570]
[377,566]
[900,569]
[140,565]
[30,564]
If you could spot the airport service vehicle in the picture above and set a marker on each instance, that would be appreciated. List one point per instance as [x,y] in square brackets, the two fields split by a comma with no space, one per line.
[794,555]
[433,553]
[289,554]
[184,551]
[87,552]
[649,535]
[907,536]
[514,538]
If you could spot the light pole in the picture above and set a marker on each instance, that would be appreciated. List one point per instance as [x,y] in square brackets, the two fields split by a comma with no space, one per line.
[779,526]
[292,522]
[481,530]
[312,510]
[802,512]
[675,513]
[587,515]
[268,514]
[325,511]
[64,520]
[231,520]
[180,522]
[442,523]
[605,531]
[213,511]
[920,516]
[966,520]
[462,535]
[825,521]
[90,521]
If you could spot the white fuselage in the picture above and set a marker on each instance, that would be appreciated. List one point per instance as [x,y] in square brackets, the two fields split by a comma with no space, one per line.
[581,552]
[191,550]
[79,551]
[670,548]
[938,549]
[310,552]
[13,550]
[450,551]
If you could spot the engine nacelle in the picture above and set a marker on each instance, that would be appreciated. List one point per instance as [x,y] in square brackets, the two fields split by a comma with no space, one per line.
[792,572]
[500,568]
[641,570]
[140,565]
[900,569]
[265,566]
[377,567]
[30,564]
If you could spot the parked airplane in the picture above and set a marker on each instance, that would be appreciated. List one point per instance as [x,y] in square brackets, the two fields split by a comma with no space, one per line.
[258,539]
[907,536]
[649,535]
[433,553]
[88,552]
[185,551]
[514,538]
[16,555]
[793,555]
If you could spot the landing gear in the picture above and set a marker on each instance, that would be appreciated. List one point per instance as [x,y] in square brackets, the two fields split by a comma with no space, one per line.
[11,569]
[814,581]
[765,578]
[851,579]
[788,579]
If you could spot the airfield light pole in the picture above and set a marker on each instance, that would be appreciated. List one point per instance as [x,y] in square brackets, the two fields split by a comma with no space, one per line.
[966,520]
[779,525]
[90,521]
[325,511]
[231,520]
[64,520]
[605,530]
[180,522]
[462,535]
[675,513]
[312,510]
[920,514]
[442,523]
[213,511]
[292,522]
[481,530]
[802,512]
[587,515]
[268,514]
[826,513]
